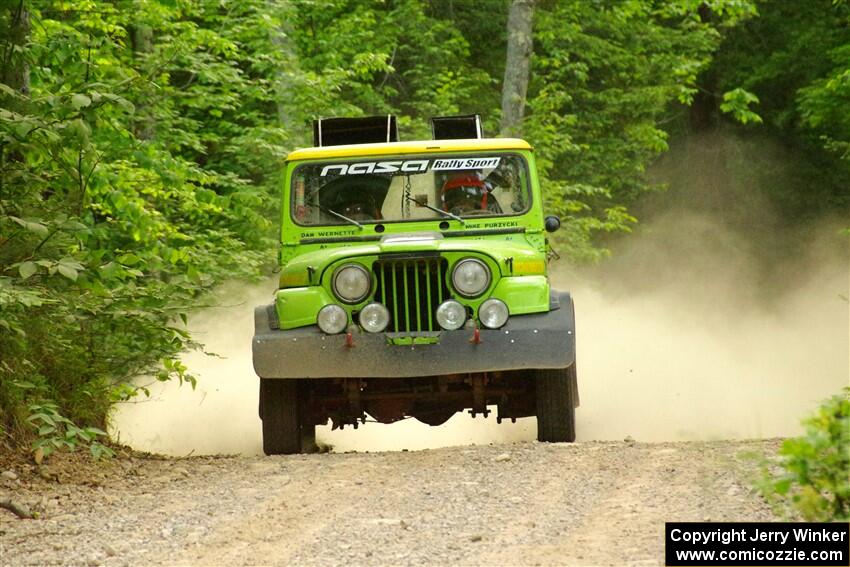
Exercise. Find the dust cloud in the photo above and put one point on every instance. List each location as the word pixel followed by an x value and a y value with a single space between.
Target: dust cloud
pixel 686 336
pixel 220 415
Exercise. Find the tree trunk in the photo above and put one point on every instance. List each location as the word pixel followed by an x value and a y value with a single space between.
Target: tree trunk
pixel 289 78
pixel 145 124
pixel 15 71
pixel 703 114
pixel 288 73
pixel 285 82
pixel 517 66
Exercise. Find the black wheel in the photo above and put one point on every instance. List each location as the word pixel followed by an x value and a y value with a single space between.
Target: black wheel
pixel 308 439
pixel 279 412
pixel 557 398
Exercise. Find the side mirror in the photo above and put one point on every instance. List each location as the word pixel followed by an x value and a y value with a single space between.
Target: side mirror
pixel 552 223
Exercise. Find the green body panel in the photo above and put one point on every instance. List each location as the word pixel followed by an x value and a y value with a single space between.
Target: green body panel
pixel 524 294
pixel 502 251
pixel 298 306
pixel 514 247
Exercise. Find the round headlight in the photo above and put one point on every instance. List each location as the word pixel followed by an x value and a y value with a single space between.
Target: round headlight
pixel 332 319
pixel 351 283
pixel 493 313
pixel 451 315
pixel 374 318
pixel 470 277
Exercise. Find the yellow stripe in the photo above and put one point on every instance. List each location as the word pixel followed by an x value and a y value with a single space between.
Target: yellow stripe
pixel 418 147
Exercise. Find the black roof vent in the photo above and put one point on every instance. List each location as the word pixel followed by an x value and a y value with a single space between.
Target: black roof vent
pixel 362 130
pixel 456 127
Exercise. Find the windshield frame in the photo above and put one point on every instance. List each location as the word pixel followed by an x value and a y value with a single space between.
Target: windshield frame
pixel 290 187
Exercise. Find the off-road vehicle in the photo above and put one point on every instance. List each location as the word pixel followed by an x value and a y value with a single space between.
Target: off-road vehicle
pixel 413 283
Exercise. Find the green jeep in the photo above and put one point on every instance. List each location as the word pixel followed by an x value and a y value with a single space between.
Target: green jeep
pixel 413 283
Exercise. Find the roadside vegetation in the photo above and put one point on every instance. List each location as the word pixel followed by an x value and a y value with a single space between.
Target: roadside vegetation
pixel 812 472
pixel 140 144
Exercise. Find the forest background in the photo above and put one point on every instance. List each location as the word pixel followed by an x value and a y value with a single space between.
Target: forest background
pixel 141 144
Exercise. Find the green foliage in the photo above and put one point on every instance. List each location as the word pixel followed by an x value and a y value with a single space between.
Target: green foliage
pixel 737 103
pixel 816 475
pixel 52 430
pixel 133 178
pixel 58 432
pixel 794 62
pixel 406 57
pixel 605 76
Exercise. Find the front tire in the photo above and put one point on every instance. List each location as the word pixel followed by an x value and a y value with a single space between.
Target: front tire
pixel 279 410
pixel 557 398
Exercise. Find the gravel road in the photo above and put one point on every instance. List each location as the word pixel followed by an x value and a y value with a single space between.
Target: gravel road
pixel 588 503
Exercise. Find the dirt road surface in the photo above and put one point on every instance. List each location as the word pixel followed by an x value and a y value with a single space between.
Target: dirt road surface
pixel 594 503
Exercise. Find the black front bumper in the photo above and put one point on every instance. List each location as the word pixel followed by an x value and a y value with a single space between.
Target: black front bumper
pixel 540 340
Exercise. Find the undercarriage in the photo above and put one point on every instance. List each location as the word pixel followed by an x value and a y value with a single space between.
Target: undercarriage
pixel 431 399
pixel 291 409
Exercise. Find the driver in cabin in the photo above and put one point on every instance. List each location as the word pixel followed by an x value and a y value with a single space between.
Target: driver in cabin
pixel 358 198
pixel 362 208
pixel 467 193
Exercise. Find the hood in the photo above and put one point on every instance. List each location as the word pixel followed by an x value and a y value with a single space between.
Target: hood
pixel 507 254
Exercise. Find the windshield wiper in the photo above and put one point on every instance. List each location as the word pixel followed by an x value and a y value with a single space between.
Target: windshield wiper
pixel 436 210
pixel 342 217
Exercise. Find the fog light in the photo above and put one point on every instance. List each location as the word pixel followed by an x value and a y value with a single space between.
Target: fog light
pixel 493 313
pixel 374 318
pixel 332 319
pixel 451 315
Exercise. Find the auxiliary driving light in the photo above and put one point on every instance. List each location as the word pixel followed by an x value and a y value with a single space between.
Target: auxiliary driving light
pixel 470 277
pixel 493 313
pixel 351 283
pixel 451 315
pixel 374 318
pixel 332 319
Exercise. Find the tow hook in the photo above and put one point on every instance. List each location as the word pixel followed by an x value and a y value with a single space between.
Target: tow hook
pixel 476 336
pixel 349 339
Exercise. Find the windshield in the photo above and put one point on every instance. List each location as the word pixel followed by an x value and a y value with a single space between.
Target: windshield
pixel 406 188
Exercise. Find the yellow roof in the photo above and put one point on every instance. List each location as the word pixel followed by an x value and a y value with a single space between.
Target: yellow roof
pixel 415 147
